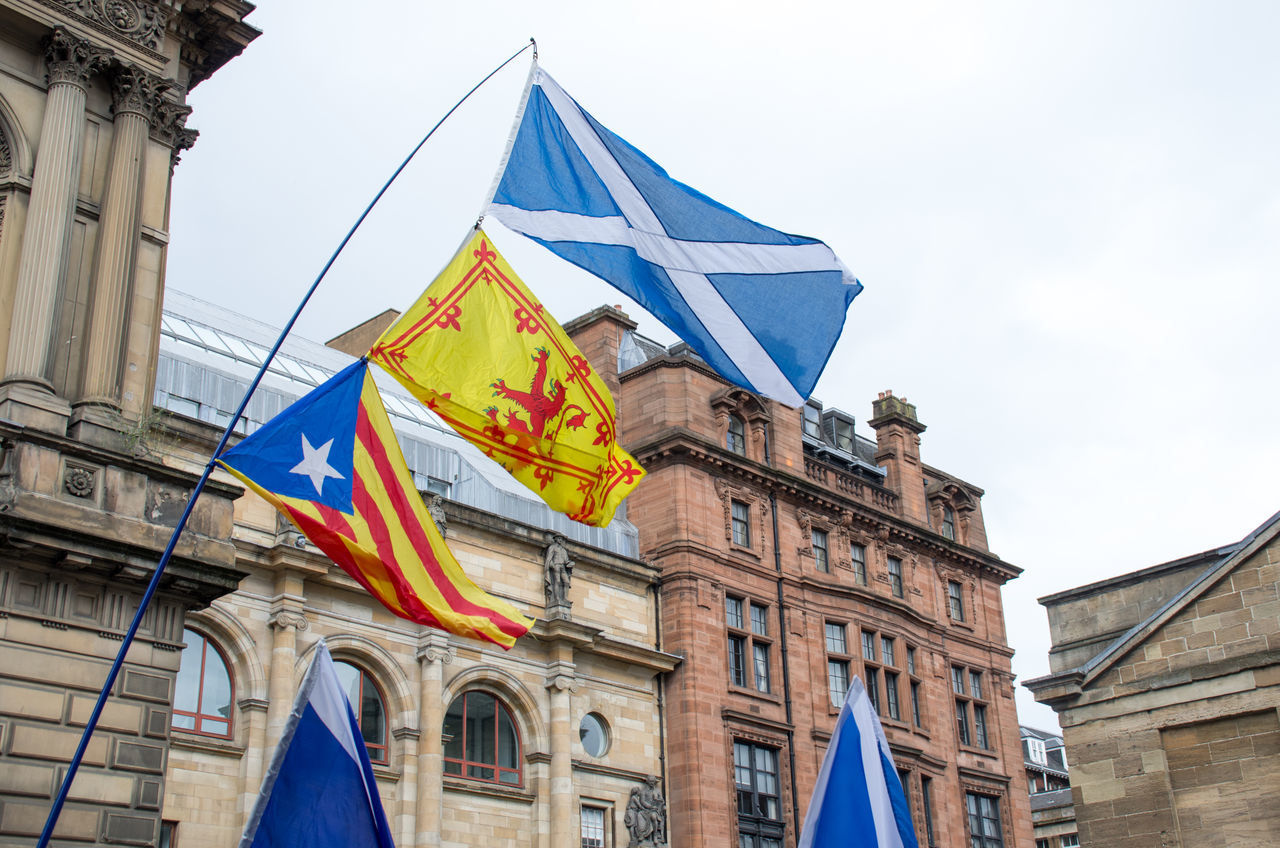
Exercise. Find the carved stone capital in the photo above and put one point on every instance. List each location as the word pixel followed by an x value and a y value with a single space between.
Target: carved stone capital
pixel 281 619
pixel 434 646
pixel 134 90
pixel 72 60
pixel 563 683
pixel 137 20
pixel 170 122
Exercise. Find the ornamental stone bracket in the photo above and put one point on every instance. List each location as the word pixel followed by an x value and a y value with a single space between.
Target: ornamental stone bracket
pixel 73 60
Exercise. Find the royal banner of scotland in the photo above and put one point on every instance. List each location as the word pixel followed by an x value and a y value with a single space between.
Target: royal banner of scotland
pixel 478 349
pixel 762 307
pixel 331 464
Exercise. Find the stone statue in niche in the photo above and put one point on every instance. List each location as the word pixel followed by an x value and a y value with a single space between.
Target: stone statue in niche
pixel 557 570
pixel 646 816
pixel 436 509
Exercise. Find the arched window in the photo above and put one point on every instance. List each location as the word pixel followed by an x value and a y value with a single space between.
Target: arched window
pixel 366 700
pixel 481 740
pixel 203 693
pixel 736 441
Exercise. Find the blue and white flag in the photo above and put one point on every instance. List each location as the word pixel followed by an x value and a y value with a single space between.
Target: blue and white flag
pixel 858 799
pixel 319 791
pixel 762 307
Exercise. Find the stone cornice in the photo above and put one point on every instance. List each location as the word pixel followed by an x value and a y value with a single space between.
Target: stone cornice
pixel 141 22
pixel 678 445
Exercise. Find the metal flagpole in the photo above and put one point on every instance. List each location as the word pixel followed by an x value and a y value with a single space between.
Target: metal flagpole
pixel 92 724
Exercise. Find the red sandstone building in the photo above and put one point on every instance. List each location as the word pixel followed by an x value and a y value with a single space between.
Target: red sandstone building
pixel 794 554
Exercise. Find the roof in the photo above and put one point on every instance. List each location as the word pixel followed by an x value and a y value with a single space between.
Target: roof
pixel 1049 800
pixel 209 355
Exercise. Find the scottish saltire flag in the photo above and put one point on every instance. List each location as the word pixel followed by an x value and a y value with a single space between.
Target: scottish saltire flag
pixel 480 351
pixel 331 464
pixel 762 307
pixel 858 799
pixel 319 790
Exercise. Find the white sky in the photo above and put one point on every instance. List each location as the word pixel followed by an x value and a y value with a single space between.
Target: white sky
pixel 1065 215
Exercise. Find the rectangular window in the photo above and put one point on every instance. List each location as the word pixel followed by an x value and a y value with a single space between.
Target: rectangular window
pixel 836 641
pixel 759 620
pixel 858 553
pixel 911 660
pixel 1071 840
pixel 948 523
pixel 748 649
pixel 955 600
pixel 886 650
pixel 737 660
pixel 838 680
pixel 741 514
pixel 962 723
pixel 820 560
pixel 915 703
pixel 1042 843
pixel 975 684
pixel 844 435
pixel 868 646
pixel 926 799
pixel 755 775
pixel 957 679
pixel 812 421
pixel 168 834
pixel 733 612
pixel 984 821
pixel 980 726
pixel 895 576
pixel 592 827
pixel 873 689
pixel 761 653
pixel 891 695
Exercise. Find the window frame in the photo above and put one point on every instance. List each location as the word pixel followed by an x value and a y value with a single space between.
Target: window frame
pixel 819 540
pixel 839 660
pixel 972 701
pixel 977 806
pixel 882 673
pixel 757 825
pixel 955 600
pixel 603 841
pixel 465 765
pixel 735 438
pixel 198 716
pixel 749 644
pixel 894 566
pixel 379 752
pixel 948 528
pixel 858 558
pixel 740 524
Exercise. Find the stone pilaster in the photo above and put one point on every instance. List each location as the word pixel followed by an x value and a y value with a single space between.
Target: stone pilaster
pixel 561 683
pixel 27 395
pixel 254 711
pixel 136 96
pixel 434 652
pixel 286 620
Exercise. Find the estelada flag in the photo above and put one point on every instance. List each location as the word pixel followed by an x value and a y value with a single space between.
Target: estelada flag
pixel 331 464
pixel 479 350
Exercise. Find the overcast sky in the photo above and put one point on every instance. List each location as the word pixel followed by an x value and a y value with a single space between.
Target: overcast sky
pixel 1066 217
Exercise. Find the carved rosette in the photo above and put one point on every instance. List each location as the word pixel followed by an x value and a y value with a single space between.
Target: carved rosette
pixel 136 91
pixel 72 60
pixel 78 481
pixel 137 20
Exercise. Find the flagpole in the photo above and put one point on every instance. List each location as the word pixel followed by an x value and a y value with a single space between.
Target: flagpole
pixel 92 724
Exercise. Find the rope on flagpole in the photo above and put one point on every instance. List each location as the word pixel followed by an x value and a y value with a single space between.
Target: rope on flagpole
pixel 92 724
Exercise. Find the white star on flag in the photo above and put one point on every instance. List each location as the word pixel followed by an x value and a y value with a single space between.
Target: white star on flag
pixel 315 464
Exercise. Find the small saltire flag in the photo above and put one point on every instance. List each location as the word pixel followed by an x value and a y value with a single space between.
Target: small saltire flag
pixel 478 349
pixel 762 307
pixel 858 799
pixel 319 790
pixel 331 464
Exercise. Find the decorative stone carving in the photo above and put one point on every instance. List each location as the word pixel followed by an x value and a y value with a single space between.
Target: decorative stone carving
pixel 436 509
pixel 78 481
pixel 171 120
pixel 71 59
pixel 281 619
pixel 434 646
pixel 646 816
pixel 136 20
pixel 6 155
pixel 557 570
pixel 135 90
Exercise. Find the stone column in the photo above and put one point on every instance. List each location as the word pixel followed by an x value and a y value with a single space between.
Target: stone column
pixel 71 63
pixel 434 653
pixel 286 620
pixel 136 96
pixel 561 683
pixel 253 764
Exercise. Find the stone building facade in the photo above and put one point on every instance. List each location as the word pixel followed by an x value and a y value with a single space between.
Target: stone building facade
pixel 794 553
pixel 92 121
pixel 572 719
pixel 1053 818
pixel 1166 682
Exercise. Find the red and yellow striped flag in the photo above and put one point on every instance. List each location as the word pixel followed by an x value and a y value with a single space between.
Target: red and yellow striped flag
pixel 479 350
pixel 331 464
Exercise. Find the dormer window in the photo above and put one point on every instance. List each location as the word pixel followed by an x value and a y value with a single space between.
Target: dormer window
pixel 948 523
pixel 736 440
pixel 812 421
pixel 844 435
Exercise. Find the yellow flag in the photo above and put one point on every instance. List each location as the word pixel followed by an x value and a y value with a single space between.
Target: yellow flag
pixel 478 350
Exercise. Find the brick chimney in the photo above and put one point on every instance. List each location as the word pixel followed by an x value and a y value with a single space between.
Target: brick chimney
pixel 598 334
pixel 898 449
